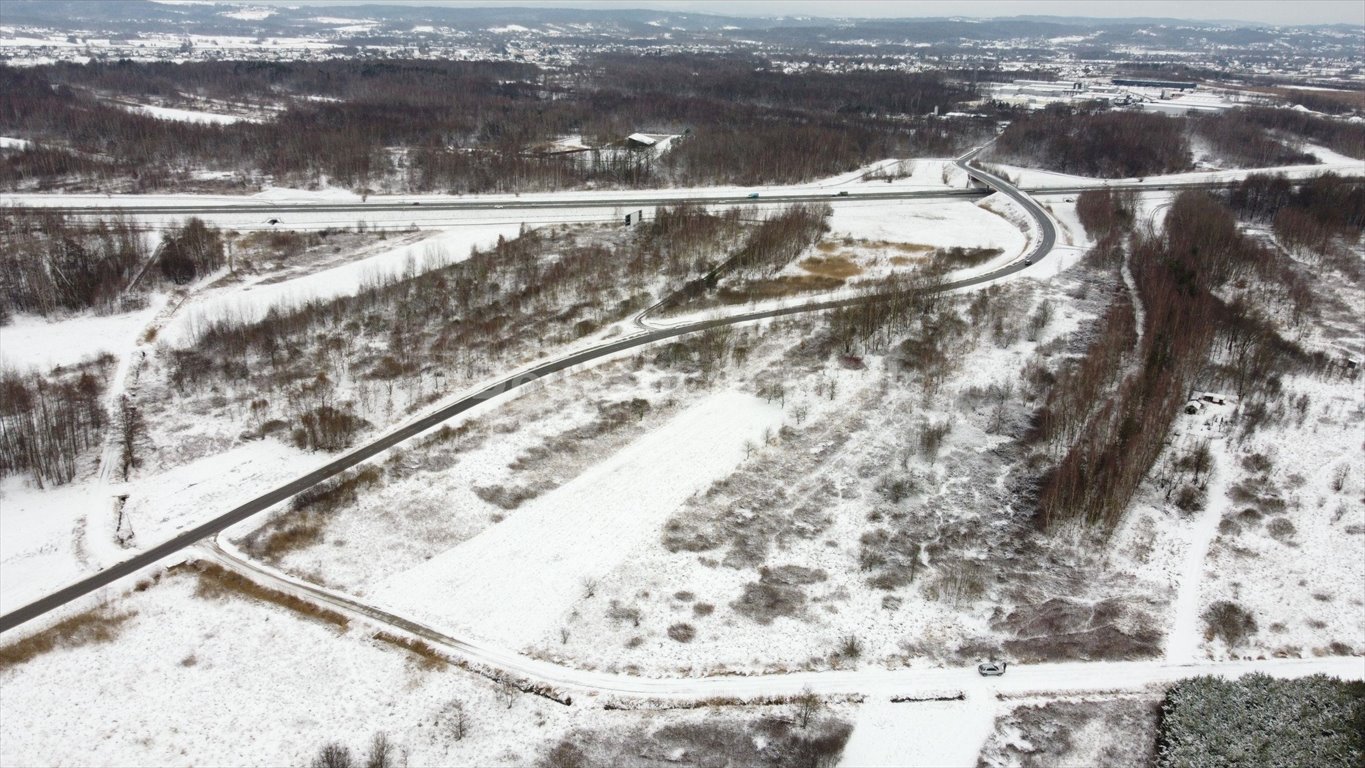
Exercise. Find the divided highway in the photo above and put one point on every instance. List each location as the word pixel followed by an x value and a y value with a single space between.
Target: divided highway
pixel 1039 248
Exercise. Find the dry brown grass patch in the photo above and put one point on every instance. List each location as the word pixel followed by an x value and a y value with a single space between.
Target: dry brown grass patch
pixel 430 658
pixel 219 583
pixel 911 247
pixel 100 625
pixel 758 290
pixel 835 267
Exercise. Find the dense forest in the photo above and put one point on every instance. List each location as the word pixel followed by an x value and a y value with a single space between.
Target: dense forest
pixel 473 126
pixel 1095 143
pixel 1260 720
pixel 1309 219
pixel 50 263
pixel 1089 141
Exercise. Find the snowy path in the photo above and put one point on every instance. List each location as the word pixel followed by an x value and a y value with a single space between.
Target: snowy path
pixel 1182 644
pixel 1037 679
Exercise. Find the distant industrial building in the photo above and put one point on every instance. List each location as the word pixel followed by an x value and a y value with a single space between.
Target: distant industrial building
pixel 1155 84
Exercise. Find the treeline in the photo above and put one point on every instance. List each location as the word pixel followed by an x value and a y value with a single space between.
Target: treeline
pixel 1113 144
pixel 50 263
pixel 1340 136
pixel 1308 217
pixel 1112 442
pixel 1240 141
pixel 749 79
pixel 779 239
pixel 469 126
pixel 46 424
pixel 1101 144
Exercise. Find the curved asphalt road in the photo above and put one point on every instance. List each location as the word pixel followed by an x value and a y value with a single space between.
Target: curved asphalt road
pixel 149 557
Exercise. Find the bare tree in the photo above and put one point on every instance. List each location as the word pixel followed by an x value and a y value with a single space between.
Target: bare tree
pixel 131 428
pixel 456 719
pixel 507 691
pixel 334 755
pixel 381 752
pixel 807 706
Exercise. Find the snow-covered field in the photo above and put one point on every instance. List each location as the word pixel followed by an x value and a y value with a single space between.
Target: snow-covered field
pixel 514 582
pixel 732 529
pixel 188 680
pixel 29 341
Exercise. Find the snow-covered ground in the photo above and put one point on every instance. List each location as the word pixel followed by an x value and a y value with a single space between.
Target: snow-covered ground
pixel 41 533
pixel 30 341
pixel 185 115
pixel 249 302
pixel 190 679
pixel 946 734
pixel 514 582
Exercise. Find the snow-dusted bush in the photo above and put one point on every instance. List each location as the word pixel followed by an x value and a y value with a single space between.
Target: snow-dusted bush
pixel 1259 720
pixel 1230 622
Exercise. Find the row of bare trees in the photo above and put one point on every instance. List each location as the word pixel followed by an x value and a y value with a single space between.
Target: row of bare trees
pixel 47 424
pixel 779 239
pixel 1114 427
pixel 50 263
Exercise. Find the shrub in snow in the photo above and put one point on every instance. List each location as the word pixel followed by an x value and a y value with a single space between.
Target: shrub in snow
pixel 1230 622
pixel 1259 720
pixel 682 632
pixel 1281 528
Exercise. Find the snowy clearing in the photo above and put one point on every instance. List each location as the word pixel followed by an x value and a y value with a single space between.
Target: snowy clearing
pixel 515 580
pixel 30 341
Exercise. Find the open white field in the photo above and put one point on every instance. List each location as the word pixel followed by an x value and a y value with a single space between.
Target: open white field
pixel 513 582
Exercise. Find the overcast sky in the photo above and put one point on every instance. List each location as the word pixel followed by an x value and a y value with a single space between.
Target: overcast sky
pixel 1265 11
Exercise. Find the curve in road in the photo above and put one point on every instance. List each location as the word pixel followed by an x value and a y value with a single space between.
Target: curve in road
pixel 212 527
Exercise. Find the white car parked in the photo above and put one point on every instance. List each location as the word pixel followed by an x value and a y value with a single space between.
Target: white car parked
pixel 992 668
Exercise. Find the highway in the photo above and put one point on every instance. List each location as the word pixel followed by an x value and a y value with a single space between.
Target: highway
pixel 509 206
pixel 1039 249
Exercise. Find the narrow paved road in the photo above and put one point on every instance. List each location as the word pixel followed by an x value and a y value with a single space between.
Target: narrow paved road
pixel 1033 679
pixel 1046 237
